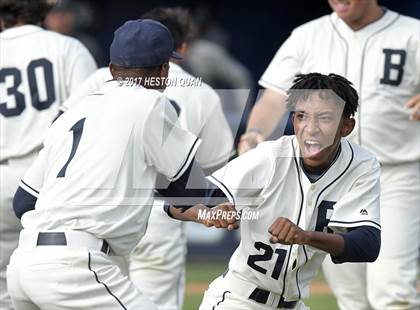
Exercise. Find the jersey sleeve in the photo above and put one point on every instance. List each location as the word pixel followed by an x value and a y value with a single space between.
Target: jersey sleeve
pixel 79 65
pixel 33 179
pixel 360 206
pixel 217 142
pixel 243 179
pixel 285 65
pixel 92 84
pixel 168 147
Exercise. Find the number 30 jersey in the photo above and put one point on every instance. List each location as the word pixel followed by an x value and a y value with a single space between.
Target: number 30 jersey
pixel 269 182
pixel 38 71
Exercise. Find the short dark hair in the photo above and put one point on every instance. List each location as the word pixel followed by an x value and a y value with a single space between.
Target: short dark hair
pixel 25 11
pixel 323 83
pixel 145 72
pixel 178 20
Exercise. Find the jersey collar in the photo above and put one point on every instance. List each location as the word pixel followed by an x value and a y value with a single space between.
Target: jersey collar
pixel 112 84
pixel 348 33
pixel 19 31
pixel 175 68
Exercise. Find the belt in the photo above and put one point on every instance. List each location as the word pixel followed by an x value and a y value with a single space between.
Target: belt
pixel 4 162
pixel 242 287
pixel 77 240
pixel 59 238
pixel 261 296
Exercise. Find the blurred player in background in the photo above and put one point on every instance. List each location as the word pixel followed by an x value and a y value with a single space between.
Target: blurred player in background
pixel 38 71
pixel 78 19
pixel 157 265
pixel 379 51
pixel 292 184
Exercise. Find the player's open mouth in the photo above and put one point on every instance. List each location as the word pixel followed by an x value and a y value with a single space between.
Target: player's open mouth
pixel 312 147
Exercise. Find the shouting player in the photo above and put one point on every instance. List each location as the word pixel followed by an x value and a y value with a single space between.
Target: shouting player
pixel 379 51
pixel 306 184
pixel 38 71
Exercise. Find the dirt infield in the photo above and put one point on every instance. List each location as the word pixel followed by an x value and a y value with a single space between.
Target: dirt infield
pixel 199 288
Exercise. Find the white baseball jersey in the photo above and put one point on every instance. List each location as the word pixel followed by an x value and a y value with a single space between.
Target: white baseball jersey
pixel 200 112
pixel 97 169
pixel 38 71
pixel 346 195
pixel 382 60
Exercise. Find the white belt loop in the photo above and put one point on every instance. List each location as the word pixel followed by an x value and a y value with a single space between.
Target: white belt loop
pixel 276 299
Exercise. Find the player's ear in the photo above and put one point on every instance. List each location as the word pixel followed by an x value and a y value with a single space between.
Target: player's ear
pixel 165 66
pixel 112 69
pixel 164 69
pixel 293 116
pixel 348 126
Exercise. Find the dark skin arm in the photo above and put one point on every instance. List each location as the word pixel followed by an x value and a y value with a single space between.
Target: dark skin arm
pixel 191 215
pixel 286 232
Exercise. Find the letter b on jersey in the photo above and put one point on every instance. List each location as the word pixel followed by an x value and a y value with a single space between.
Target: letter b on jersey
pixel 393 67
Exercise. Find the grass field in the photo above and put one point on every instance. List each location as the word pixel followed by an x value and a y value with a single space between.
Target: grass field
pixel 200 274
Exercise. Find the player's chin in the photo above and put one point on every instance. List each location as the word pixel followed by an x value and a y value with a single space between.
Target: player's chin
pixel 317 155
pixel 316 159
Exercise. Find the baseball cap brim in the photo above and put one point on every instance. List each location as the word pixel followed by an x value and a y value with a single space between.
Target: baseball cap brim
pixel 177 56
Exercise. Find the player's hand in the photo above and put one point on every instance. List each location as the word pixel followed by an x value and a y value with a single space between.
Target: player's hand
pixel 285 231
pixel 222 216
pixel 414 105
pixel 248 141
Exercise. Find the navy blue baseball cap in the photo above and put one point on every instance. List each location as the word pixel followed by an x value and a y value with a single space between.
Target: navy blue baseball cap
pixel 142 43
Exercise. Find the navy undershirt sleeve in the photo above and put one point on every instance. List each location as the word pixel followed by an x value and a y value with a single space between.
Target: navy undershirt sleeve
pixel 23 202
pixel 362 244
pixel 181 194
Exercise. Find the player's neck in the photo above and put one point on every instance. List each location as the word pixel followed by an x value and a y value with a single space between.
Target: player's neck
pixel 371 16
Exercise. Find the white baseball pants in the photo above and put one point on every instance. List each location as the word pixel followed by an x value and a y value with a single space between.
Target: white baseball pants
pixel 390 283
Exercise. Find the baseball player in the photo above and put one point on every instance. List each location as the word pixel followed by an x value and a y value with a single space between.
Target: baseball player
pixel 38 71
pixel 300 186
pixel 157 265
pixel 89 192
pixel 379 51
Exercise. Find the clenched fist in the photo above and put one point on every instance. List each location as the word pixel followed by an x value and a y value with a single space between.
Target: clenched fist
pixel 285 231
